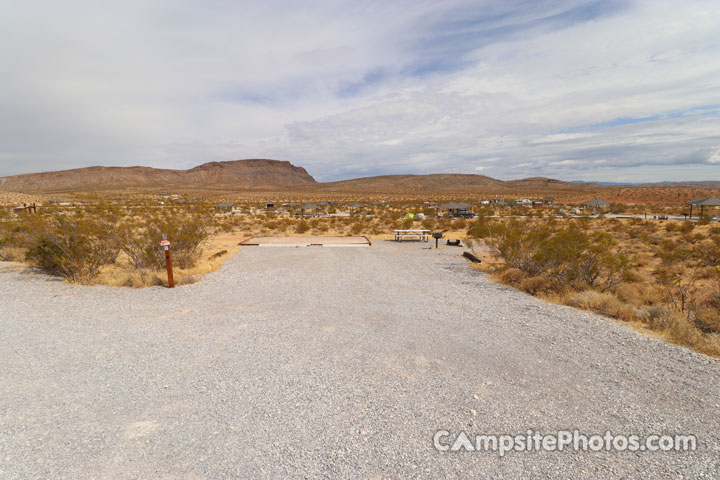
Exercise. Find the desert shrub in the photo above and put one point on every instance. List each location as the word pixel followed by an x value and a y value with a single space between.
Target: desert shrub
pixel 639 294
pixel 135 240
pixel 541 285
pixel 187 235
pixel 517 246
pixel 357 228
pixel 637 232
pixel 140 241
pixel 302 226
pixel 704 220
pixel 605 303
pixel 682 330
pixel 512 276
pixel 657 317
pixel 73 248
pixel 679 285
pixel 630 276
pixel 12 254
pixel 479 228
pixel 686 227
pixel 708 252
pixel 707 318
pixel 567 254
pixel 671 252
pixel 574 256
pixel 617 208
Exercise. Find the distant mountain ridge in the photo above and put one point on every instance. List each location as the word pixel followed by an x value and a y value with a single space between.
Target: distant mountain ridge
pixel 231 175
pixel 267 175
pixel 713 184
pixel 442 183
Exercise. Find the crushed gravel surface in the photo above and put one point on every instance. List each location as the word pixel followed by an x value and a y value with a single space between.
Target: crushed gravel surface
pixel 330 362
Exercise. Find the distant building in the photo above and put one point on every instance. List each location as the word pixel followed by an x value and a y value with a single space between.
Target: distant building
pixel 704 202
pixel 596 203
pixel 25 209
pixel 224 207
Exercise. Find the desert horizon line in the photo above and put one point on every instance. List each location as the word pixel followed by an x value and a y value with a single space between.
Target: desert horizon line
pixel 361 177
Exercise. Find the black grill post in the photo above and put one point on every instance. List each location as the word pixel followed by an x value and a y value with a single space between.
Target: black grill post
pixel 437 236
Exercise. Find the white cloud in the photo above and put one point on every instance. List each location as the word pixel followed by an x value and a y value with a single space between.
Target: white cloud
pixel 715 158
pixel 348 87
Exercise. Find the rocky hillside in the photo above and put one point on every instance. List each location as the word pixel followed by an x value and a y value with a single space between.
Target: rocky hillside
pixel 233 175
pixel 449 183
pixel 420 183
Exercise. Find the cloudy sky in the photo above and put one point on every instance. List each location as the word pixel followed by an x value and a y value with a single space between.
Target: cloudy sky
pixel 577 90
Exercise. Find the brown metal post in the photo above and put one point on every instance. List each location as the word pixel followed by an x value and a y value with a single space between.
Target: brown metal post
pixel 168 261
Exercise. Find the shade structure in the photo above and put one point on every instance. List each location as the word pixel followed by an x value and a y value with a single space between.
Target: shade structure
pixel 704 202
pixel 453 206
pixel 596 202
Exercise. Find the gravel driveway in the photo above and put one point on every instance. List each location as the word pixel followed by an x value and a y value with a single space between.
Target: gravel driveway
pixel 331 362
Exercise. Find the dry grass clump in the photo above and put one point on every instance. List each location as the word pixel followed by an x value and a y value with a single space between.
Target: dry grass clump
pixel 12 254
pixel 603 302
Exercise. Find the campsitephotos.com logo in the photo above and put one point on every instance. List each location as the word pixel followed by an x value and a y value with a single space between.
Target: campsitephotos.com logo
pixel 532 441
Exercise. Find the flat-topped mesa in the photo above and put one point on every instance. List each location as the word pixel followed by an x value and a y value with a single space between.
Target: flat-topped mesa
pixel 237 174
pixel 252 173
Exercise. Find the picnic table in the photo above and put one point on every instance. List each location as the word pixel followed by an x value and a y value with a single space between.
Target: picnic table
pixel 421 235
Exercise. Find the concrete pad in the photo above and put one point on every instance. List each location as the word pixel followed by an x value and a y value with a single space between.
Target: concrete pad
pixel 307 241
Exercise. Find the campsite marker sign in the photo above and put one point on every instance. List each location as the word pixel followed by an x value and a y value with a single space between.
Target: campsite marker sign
pixel 165 243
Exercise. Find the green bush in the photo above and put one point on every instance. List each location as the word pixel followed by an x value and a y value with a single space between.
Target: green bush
pixel 73 248
pixel 567 254
pixel 140 241
pixel 479 228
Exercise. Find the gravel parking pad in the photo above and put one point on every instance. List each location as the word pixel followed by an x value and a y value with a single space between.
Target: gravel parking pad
pixel 332 362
